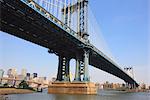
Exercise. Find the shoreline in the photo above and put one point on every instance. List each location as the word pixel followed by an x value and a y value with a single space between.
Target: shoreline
pixel 128 90
pixel 6 91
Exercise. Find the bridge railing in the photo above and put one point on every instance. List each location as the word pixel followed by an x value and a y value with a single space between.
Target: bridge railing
pixel 49 16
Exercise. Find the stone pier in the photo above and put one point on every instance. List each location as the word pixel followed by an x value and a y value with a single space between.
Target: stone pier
pixel 72 88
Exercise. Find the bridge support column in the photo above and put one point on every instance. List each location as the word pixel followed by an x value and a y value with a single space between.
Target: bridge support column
pixel 133 86
pixel 60 65
pixel 127 85
pixel 86 63
pixel 67 67
pixel 63 69
pixel 77 72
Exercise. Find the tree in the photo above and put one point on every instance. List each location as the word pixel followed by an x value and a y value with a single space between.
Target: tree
pixel 6 85
pixel 23 85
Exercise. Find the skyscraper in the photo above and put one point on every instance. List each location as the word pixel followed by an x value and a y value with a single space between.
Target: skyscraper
pixel 1 73
pixel 12 72
pixel 24 72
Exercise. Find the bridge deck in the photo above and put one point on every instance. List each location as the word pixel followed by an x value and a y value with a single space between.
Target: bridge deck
pixel 25 22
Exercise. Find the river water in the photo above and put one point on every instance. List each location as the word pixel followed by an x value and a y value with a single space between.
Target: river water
pixel 102 95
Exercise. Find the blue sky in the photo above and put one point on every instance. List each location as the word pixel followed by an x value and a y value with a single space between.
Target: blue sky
pixel 124 25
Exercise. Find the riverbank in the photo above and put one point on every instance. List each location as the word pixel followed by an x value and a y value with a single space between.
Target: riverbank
pixel 129 90
pixel 5 91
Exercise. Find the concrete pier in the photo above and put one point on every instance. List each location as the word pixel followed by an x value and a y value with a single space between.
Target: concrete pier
pixel 72 88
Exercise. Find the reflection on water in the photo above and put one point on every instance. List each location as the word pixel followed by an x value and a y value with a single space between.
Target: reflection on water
pixel 102 95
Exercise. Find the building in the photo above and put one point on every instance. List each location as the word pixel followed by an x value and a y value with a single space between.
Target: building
pixel 24 72
pixel 117 86
pixel 12 72
pixel 1 74
pixel 53 79
pixel 142 86
pixel 28 76
pixel 4 81
pixel 19 77
pixel 35 75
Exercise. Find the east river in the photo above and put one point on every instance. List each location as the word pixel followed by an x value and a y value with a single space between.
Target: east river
pixel 102 95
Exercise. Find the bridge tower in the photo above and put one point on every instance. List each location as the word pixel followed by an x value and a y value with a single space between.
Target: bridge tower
pixel 130 72
pixel 81 8
pixel 78 86
pixel 83 31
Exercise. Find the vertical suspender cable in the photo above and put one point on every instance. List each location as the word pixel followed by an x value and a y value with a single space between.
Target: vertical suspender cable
pixel 54 9
pixel 86 17
pixel 78 16
pixel 72 19
pixel 68 13
pixel 47 5
pixel 65 12
pixel 57 8
pixel 62 15
pixel 49 10
pixel 51 7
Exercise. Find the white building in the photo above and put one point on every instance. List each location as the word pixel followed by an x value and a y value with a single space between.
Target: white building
pixel 12 72
pixel 24 72
pixel 1 73
pixel 4 81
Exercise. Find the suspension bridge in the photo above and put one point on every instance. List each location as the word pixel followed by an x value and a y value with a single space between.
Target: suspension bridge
pixel 62 27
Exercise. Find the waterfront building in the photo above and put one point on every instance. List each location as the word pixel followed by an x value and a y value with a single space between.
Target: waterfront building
pixel 33 85
pixel 53 79
pixel 20 78
pixel 45 78
pixel 1 74
pixel 11 82
pixel 28 76
pixel 12 72
pixel 142 86
pixel 101 86
pixel 42 80
pixel 35 75
pixel 24 72
pixel 117 86
pixel 107 85
pixel 4 81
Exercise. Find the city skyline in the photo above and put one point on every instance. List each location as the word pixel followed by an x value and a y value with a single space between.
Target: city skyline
pixel 128 45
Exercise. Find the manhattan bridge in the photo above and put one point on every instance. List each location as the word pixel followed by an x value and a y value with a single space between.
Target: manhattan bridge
pixel 62 27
